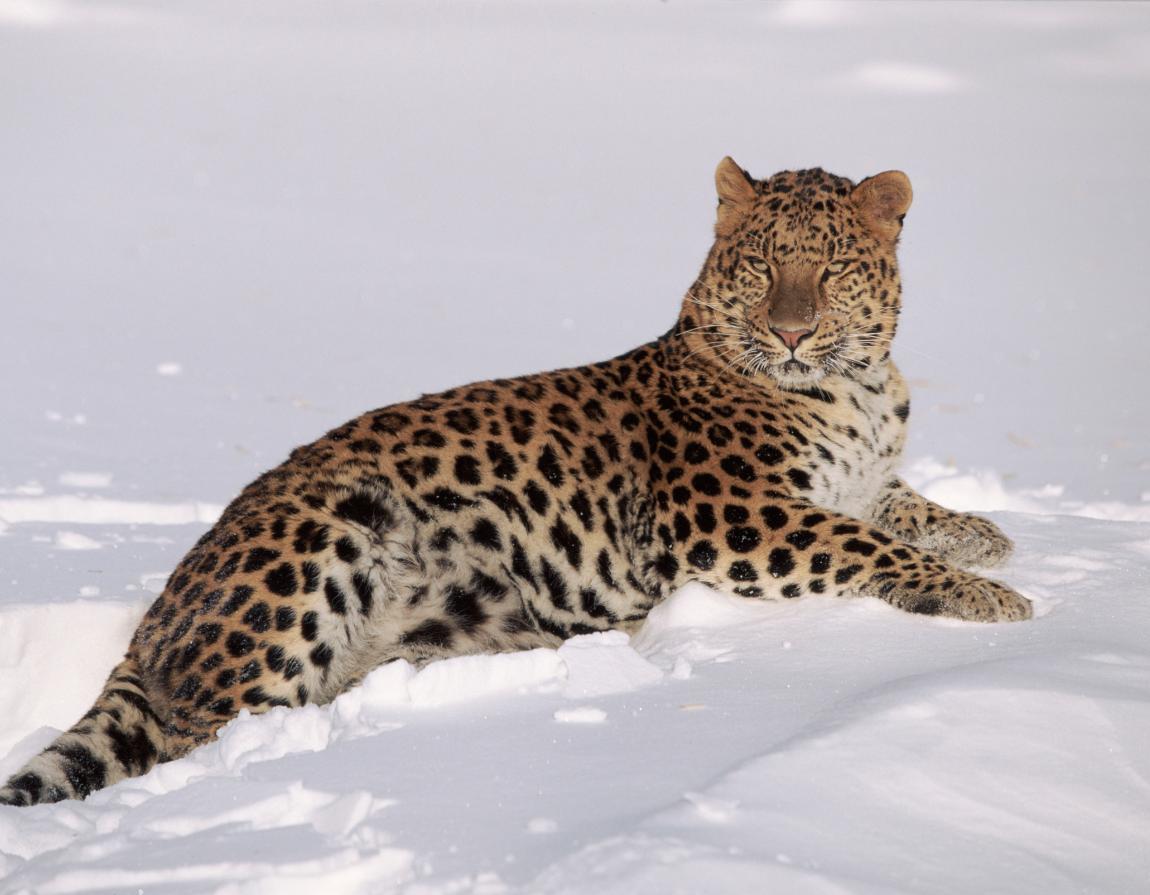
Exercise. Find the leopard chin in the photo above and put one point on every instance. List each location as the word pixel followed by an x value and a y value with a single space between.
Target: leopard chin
pixel 794 375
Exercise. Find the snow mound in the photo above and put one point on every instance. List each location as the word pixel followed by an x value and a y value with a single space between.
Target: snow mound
pixel 984 491
pixel 599 664
pixel 818 745
pixel 730 745
pixel 98 510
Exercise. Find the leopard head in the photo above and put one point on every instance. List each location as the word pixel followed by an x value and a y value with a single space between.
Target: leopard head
pixel 802 281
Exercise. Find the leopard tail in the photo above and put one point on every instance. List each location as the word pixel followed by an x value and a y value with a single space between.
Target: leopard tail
pixel 120 736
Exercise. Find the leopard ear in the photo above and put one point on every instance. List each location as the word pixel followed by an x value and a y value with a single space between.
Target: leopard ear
pixel 883 201
pixel 736 196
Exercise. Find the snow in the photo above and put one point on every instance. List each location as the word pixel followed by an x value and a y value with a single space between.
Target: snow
pixel 820 746
pixel 230 226
pixel 583 714
pixel 84 480
pixel 92 510
pixel 73 540
pixel 899 77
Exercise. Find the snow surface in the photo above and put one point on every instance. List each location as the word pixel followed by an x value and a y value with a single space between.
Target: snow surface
pixel 229 226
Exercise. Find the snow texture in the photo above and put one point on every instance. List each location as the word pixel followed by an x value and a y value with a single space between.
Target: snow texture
pixel 231 225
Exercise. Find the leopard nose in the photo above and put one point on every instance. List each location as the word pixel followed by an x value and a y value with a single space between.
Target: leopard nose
pixel 792 337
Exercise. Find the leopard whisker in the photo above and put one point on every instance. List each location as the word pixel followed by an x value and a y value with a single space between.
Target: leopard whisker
pixel 702 304
pixel 726 345
pixel 695 329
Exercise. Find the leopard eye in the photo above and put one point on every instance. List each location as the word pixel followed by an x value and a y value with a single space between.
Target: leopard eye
pixel 836 267
pixel 759 265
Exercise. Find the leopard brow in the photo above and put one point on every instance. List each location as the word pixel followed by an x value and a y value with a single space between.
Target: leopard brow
pixel 840 246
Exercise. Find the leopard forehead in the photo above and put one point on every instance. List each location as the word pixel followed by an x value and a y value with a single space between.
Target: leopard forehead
pixel 804 215
pixel 807 185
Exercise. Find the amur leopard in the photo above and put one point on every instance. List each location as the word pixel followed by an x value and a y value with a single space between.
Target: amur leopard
pixel 753 448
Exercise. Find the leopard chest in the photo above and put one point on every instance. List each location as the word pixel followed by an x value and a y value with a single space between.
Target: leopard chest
pixel 855 443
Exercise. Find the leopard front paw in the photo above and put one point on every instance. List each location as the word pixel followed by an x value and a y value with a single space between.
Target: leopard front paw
pixel 967 540
pixel 966 597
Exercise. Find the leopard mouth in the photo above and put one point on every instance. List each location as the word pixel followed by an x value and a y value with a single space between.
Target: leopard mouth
pixel 791 372
pixel 750 356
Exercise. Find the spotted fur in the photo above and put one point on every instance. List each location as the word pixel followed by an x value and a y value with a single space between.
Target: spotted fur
pixel 752 448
